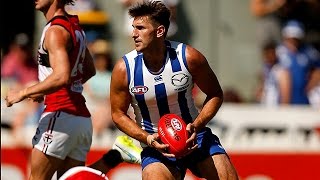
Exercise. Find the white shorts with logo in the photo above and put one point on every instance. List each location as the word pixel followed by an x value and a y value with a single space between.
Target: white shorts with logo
pixel 62 135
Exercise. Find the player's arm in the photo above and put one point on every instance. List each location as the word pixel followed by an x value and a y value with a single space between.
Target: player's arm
pixel 263 7
pixel 120 99
pixel 88 67
pixel 57 43
pixel 314 79
pixel 208 83
pixel 284 79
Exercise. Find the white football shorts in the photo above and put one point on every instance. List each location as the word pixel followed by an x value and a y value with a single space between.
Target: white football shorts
pixel 62 135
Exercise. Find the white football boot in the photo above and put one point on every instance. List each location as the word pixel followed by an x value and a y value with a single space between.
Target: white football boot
pixel 129 151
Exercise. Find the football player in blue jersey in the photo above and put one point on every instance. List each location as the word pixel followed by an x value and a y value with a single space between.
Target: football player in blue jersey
pixel 157 78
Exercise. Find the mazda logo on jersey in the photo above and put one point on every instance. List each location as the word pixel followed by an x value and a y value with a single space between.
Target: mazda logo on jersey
pixel 139 89
pixel 179 79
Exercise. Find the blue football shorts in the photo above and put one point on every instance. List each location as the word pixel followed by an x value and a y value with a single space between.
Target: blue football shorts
pixel 208 145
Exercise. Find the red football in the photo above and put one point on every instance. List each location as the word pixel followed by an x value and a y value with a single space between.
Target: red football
pixel 172 131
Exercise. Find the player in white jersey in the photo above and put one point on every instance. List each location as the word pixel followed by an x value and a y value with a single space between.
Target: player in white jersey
pixel 157 78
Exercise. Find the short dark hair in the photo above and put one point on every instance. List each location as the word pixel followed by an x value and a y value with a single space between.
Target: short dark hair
pixel 156 10
pixel 68 2
pixel 269 45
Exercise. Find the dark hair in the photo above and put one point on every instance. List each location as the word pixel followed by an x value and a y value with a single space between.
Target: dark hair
pixel 269 45
pixel 68 2
pixel 156 10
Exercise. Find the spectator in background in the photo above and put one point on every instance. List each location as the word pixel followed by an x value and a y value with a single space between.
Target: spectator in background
pixel 302 61
pixel 92 18
pixel 273 14
pixel 307 12
pixel 314 96
pixel 19 70
pixel 232 95
pixel 83 6
pixel 274 80
pixel 268 17
pixel 18 64
pixel 97 88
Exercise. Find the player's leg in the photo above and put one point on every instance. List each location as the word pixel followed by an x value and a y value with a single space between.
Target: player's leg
pixel 61 141
pixel 210 160
pixel 108 161
pixel 160 171
pixel 67 164
pixel 123 150
pixel 156 166
pixel 43 166
pixel 98 169
pixel 217 167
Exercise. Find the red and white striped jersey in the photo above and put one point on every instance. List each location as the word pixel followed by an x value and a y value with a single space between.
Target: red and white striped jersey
pixel 68 98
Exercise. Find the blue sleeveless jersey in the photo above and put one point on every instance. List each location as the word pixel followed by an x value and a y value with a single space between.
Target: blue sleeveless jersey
pixel 157 93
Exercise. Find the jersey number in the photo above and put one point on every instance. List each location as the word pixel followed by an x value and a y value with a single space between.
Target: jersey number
pixel 81 54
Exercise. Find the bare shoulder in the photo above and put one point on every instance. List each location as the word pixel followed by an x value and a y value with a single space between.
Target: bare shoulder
pixel 57 32
pixel 57 36
pixel 195 59
pixel 120 67
pixel 119 74
pixel 202 73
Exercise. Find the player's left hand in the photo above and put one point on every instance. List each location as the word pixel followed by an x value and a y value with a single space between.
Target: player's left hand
pixel 13 97
pixel 192 141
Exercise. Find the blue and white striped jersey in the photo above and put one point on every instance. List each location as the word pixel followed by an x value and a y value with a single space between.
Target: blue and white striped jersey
pixel 157 93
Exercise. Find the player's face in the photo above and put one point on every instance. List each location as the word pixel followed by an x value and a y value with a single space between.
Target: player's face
pixel 43 5
pixel 143 33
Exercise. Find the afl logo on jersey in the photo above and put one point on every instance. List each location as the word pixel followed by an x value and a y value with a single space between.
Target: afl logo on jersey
pixel 179 79
pixel 138 90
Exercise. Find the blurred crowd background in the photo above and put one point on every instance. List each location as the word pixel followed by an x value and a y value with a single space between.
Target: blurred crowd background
pixel 264 52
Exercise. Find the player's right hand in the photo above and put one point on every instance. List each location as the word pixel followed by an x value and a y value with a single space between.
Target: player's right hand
pixel 154 142
pixel 13 96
